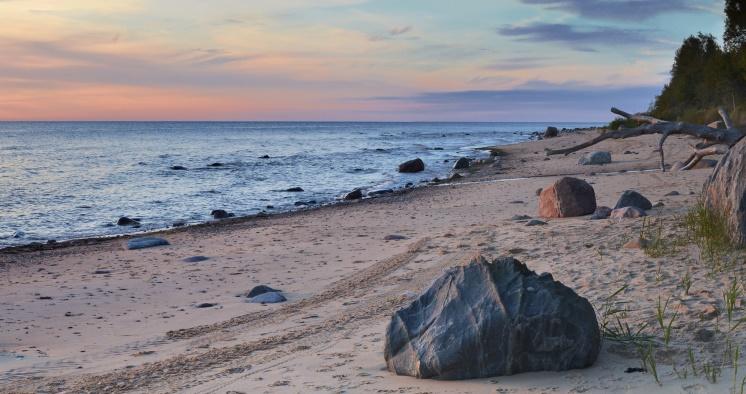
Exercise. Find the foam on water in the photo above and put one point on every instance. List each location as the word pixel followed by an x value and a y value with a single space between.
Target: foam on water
pixel 65 180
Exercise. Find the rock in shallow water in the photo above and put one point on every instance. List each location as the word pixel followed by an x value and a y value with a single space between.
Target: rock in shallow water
pixel 416 165
pixel 146 242
pixel 492 319
pixel 125 221
pixel 462 163
pixel 353 195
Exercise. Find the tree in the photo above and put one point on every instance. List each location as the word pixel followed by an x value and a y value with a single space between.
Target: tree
pixel 735 25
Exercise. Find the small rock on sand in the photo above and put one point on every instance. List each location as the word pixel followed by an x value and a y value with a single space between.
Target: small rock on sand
pixel 394 237
pixel 146 242
pixel 536 222
pixel 627 213
pixel 595 158
pixel 261 289
pixel 195 259
pixel 639 243
pixel 601 213
pixel 631 198
pixel 518 218
pixel 268 298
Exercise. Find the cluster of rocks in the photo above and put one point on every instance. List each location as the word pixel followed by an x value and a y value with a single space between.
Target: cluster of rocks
pixel 552 132
pixel 571 197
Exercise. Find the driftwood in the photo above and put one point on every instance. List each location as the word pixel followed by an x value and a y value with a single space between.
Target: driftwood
pixel 715 140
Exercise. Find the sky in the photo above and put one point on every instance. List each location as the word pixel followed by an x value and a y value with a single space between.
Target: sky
pixel 337 60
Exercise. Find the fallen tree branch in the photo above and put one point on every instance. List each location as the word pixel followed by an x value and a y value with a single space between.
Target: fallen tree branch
pixel 712 137
pixel 699 154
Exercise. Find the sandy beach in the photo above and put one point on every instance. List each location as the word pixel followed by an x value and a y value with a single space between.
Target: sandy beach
pixel 95 317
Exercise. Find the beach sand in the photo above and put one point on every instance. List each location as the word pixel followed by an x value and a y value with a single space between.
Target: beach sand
pixel 96 317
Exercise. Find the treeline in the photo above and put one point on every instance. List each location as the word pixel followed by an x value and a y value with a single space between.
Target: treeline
pixel 706 75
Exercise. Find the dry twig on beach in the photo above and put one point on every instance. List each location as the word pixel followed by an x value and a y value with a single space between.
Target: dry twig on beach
pixel 715 141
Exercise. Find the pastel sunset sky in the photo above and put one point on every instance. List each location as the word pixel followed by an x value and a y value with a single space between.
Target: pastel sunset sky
pixel 374 60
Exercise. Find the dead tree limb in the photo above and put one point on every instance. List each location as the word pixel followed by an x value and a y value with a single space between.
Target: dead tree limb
pixel 714 139
pixel 699 154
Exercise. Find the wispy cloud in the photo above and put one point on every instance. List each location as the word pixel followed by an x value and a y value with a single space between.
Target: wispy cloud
pixel 518 63
pixel 534 100
pixel 580 38
pixel 622 9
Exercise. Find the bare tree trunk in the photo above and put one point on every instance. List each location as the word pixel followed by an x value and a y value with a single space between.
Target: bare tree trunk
pixel 716 141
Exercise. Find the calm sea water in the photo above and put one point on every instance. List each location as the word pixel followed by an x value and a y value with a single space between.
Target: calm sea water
pixel 65 180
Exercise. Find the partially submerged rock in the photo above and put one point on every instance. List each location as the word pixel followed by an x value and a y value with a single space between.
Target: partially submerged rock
pixel 416 165
pixel 595 158
pixel 125 221
pixel 354 195
pixel 146 242
pixel 462 163
pixel 631 198
pixel 221 214
pixel 492 319
pixel 567 197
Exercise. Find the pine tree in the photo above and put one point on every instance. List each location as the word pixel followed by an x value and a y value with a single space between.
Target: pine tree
pixel 735 25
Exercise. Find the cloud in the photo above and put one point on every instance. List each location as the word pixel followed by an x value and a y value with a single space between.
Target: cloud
pixel 391 34
pixel 518 63
pixel 397 31
pixel 621 9
pixel 579 38
pixel 535 100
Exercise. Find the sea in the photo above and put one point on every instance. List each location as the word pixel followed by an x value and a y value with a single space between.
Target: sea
pixel 70 180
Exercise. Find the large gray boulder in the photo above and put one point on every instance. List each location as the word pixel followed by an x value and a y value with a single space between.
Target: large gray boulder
pixel 725 191
pixel 492 319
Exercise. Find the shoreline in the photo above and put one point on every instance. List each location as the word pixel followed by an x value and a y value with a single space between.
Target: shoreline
pixel 94 317
pixel 333 202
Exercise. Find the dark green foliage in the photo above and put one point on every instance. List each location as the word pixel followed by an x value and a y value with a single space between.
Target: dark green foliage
pixel 622 122
pixel 735 25
pixel 705 76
